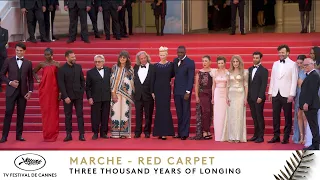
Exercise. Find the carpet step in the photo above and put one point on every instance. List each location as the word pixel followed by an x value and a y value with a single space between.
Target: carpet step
pixel 34 102
pixel 171 51
pixel 87 111
pixel 38 127
pixel 36 118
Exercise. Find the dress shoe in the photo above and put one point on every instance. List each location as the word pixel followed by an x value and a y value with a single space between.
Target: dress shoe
pixel 124 36
pixel 33 40
pixel 55 38
pixel 259 140
pixel 136 136
pixel 253 138
pixel 232 33
pixel 81 137
pixel 70 41
pixel 285 141
pixel 274 140
pixel 95 136
pixel 86 41
pixel 147 136
pixel 20 139
pixel 118 38
pixel 130 34
pixel 183 138
pixel 45 40
pixel 108 38
pixel 68 138
pixel 176 137
pixel 3 140
pixel 243 33
pixel 97 36
pixel 104 136
pixel 312 147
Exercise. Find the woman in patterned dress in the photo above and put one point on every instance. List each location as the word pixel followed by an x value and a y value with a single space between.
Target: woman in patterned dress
pixel 203 92
pixel 122 89
pixel 235 124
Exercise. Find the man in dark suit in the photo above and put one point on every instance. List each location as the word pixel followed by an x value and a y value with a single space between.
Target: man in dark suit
pixel 3 49
pixel 78 8
pixel 309 101
pixel 93 14
pixel 144 101
pixel 19 88
pixel 257 85
pixel 34 10
pixel 71 85
pixel 111 7
pixel 52 6
pixel 99 95
pixel 184 69
pixel 237 4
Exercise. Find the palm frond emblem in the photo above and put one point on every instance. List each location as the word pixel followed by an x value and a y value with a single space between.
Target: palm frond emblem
pixel 296 167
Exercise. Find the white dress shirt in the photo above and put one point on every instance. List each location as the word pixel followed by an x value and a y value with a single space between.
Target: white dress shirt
pixel 180 61
pixel 101 72
pixel 19 62
pixel 255 68
pixel 143 72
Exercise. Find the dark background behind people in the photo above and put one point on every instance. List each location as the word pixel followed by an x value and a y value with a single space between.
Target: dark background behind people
pixel 3 49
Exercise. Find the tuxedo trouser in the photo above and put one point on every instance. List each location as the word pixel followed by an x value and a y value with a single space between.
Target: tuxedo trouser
pixel 258 118
pixel 78 105
pixel 183 112
pixel 279 102
pixel 147 107
pixel 240 7
pixel 18 98
pixel 93 14
pixel 2 59
pixel 73 18
pixel 35 14
pixel 312 118
pixel 129 9
pixel 47 21
pixel 100 116
pixel 107 11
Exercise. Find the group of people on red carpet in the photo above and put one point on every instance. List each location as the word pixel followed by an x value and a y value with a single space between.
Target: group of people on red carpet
pixel 111 92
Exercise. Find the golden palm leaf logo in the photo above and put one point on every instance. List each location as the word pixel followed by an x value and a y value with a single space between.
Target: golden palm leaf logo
pixel 297 167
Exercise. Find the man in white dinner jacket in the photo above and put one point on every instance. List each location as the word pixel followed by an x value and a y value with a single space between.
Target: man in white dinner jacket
pixel 282 90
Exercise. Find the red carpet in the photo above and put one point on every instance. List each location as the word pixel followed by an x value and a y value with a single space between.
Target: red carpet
pixel 197 45
pixel 35 142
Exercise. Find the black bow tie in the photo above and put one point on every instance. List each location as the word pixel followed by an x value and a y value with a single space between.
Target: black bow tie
pixel 282 61
pixel 99 69
pixel 307 74
pixel 255 66
pixel 143 66
pixel 19 59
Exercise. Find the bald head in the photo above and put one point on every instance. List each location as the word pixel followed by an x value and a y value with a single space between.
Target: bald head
pixel 308 64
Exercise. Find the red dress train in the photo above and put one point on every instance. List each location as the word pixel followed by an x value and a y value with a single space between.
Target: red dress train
pixel 48 96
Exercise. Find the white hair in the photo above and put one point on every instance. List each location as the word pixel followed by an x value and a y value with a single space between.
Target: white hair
pixel 99 56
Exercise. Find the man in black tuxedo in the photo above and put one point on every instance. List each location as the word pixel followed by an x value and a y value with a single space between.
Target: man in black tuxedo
pixel 111 7
pixel 19 88
pixel 34 10
pixel 99 95
pixel 93 14
pixel 3 49
pixel 144 101
pixel 78 8
pixel 52 6
pixel 237 4
pixel 309 101
pixel 257 85
pixel 71 85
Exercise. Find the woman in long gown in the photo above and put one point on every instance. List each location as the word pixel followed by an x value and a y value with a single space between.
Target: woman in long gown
pixel 49 96
pixel 220 78
pixel 299 124
pixel 122 89
pixel 235 129
pixel 163 124
pixel 203 93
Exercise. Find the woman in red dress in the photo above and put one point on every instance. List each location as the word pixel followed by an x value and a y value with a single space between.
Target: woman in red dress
pixel 49 96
